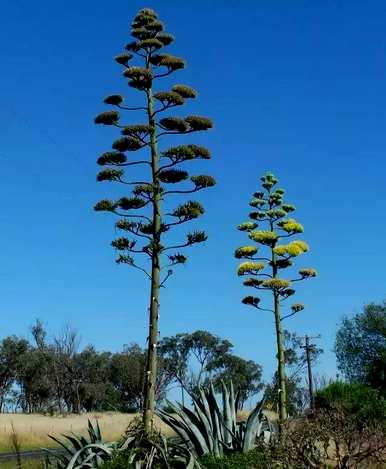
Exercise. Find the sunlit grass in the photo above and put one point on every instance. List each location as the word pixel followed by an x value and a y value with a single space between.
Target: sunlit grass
pixel 32 430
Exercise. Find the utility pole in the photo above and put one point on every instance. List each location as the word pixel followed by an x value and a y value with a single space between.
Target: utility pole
pixel 309 348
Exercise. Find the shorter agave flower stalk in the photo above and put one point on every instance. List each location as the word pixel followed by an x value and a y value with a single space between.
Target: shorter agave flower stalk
pixel 264 263
pixel 208 430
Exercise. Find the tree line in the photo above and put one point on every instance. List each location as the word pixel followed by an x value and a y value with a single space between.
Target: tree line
pixel 57 375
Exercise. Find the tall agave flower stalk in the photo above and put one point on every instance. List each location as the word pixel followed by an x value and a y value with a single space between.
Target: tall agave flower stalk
pixel 265 262
pixel 141 213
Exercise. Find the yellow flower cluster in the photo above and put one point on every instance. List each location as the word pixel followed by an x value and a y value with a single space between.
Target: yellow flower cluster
pixel 292 249
pixel 247 226
pixel 291 226
pixel 276 283
pixel 245 251
pixel 297 307
pixel 257 202
pixel 308 273
pixel 264 237
pixel 249 268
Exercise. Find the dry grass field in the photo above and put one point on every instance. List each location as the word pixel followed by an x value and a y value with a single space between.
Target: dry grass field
pixel 32 429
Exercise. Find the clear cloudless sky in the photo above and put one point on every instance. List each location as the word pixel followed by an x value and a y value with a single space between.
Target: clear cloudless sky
pixel 295 87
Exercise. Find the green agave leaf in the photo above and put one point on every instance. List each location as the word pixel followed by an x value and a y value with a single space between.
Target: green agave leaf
pixel 252 427
pixel 203 404
pixel 208 433
pixel 227 415
pixel 207 429
pixel 196 428
pixel 233 402
pixel 76 443
pixel 214 412
pixel 104 448
pixel 175 425
pixel 63 445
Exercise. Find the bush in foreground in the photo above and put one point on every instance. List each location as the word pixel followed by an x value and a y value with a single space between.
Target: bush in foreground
pixel 256 458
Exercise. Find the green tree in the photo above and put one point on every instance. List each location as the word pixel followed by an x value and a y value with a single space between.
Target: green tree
pixel 244 374
pixel 127 377
pixel 12 352
pixel 176 351
pixel 360 346
pixel 160 171
pixel 191 358
pixel 264 269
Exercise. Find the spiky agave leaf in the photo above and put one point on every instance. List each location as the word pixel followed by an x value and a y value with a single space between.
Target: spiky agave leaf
pixel 146 450
pixel 189 427
pixel 83 453
pixel 207 429
pixel 253 427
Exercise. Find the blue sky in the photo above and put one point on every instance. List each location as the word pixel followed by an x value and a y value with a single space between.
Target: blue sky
pixel 297 88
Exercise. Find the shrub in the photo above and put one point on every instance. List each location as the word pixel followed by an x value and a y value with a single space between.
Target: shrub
pixel 355 399
pixel 257 458
pixel 329 438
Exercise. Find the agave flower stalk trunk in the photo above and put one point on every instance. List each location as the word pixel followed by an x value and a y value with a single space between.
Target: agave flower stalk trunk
pixel 151 364
pixel 279 342
pixel 281 361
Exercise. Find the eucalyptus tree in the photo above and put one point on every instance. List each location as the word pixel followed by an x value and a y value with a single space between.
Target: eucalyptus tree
pixel 265 262
pixel 360 346
pixel 143 216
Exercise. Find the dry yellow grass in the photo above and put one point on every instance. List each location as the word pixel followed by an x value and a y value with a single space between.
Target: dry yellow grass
pixel 32 429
